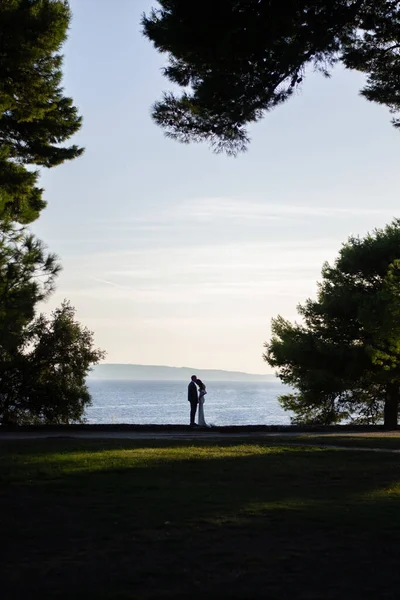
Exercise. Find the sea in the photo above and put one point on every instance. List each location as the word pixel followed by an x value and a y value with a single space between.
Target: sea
pixel 165 402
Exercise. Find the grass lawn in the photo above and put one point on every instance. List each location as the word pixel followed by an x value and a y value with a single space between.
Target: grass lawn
pixel 128 520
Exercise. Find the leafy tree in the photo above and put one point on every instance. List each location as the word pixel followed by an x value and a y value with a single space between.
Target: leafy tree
pixel 237 60
pixel 43 360
pixel 344 358
pixel 44 380
pixel 36 119
pixel 53 387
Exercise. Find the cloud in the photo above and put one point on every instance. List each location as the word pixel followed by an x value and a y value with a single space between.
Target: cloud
pixel 215 209
pixel 99 280
pixel 214 261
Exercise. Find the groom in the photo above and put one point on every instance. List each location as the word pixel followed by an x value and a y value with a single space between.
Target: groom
pixel 193 399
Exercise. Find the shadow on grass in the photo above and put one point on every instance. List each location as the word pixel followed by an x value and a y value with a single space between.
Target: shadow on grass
pixel 349 441
pixel 173 520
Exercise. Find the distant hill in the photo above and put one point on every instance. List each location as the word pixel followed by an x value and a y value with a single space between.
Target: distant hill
pixel 159 373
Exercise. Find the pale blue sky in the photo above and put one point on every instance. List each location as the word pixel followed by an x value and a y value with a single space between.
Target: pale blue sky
pixel 173 255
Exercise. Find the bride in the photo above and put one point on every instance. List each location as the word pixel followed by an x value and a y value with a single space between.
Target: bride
pixel 202 393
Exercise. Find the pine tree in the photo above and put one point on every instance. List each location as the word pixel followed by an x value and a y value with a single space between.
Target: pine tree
pixel 344 358
pixel 235 61
pixel 36 118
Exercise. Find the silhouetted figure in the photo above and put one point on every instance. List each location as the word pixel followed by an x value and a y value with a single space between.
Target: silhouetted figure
pixel 193 399
pixel 202 393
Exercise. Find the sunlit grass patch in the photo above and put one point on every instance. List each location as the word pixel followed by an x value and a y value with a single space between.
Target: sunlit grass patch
pixel 390 492
pixel 23 466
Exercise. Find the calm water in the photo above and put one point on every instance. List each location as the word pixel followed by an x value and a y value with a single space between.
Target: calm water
pixel 157 402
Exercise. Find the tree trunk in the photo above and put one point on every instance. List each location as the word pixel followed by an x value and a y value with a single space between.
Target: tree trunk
pixel 391 406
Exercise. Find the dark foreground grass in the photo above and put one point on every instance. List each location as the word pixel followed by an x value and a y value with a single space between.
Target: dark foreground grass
pixel 122 520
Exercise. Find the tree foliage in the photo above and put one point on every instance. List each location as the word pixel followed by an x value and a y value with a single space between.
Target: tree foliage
pixel 45 380
pixel 343 359
pixel 58 355
pixel 27 277
pixel 237 60
pixel 36 118
pixel 44 360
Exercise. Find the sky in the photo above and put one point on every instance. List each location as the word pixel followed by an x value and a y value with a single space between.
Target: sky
pixel 176 256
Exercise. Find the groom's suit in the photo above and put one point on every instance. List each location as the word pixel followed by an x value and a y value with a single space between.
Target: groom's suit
pixel 193 399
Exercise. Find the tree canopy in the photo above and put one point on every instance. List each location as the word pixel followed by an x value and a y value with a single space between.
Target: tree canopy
pixel 27 277
pixel 44 360
pixel 344 358
pixel 36 118
pixel 235 61
pixel 44 382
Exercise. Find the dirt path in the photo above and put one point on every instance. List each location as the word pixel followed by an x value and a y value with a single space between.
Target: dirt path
pixel 196 435
pixel 138 435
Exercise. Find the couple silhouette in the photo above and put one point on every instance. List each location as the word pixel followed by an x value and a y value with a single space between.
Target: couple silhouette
pixel 196 392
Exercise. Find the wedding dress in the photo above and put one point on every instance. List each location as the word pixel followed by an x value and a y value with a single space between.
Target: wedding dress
pixel 202 421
